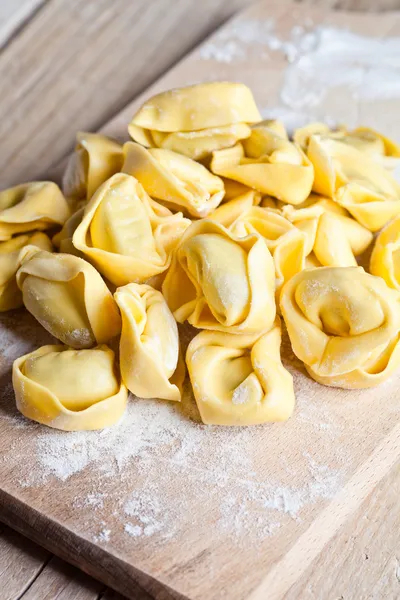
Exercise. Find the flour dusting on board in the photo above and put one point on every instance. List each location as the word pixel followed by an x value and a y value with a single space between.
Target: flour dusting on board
pixel 329 69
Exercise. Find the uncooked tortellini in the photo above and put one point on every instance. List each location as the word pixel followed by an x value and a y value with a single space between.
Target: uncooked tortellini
pixel 69 298
pixel 38 205
pixel 239 379
pixel 359 184
pixel 385 257
pixel 69 389
pixel 151 365
pixel 268 163
pixel 332 235
pixel 228 212
pixel 344 325
pixel 63 239
pixel 286 243
pixel 96 159
pixel 10 260
pixel 126 235
pixel 180 182
pixel 197 119
pixel 218 281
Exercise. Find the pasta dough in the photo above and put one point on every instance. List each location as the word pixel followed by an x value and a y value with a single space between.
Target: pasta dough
pixel 126 235
pixel 69 389
pixel 286 242
pixel 218 281
pixel 96 159
pixel 39 205
pixel 385 257
pixel 355 181
pixel 63 239
pixel 228 212
pixel 68 298
pixel 268 163
pixel 197 119
pixel 151 365
pixel 344 325
pixel 180 182
pixel 239 379
pixel 332 235
pixel 10 260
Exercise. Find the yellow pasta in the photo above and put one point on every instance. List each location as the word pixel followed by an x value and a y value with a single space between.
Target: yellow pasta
pixel 385 257
pixel 38 205
pixel 95 159
pixel 69 389
pixel 344 325
pixel 228 212
pixel 63 239
pixel 268 163
pixel 240 379
pixel 151 364
pixel 197 119
pixel 222 282
pixel 10 261
pixel 126 235
pixel 176 180
pixel 69 298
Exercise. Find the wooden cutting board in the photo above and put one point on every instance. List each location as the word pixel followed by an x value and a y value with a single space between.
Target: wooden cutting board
pixel 160 504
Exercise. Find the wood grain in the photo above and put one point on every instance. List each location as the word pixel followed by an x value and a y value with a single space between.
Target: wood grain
pixel 77 63
pixel 325 576
pixel 14 15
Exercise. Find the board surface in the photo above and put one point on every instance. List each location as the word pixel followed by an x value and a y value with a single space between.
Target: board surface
pixel 160 502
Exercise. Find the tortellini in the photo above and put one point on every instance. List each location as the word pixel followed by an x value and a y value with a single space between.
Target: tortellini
pixel 385 257
pixel 126 235
pixel 240 379
pixel 359 184
pixel 332 235
pixel 151 364
pixel 222 282
pixel 197 119
pixel 69 389
pixel 63 239
pixel 10 260
pixel 38 205
pixel 286 242
pixel 69 298
pixel 96 159
pixel 344 325
pixel 228 212
pixel 268 163
pixel 180 182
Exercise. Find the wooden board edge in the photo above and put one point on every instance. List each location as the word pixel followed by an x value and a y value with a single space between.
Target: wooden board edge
pixel 90 558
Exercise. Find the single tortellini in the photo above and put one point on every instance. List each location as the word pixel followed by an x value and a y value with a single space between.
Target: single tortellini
pixel 127 236
pixel 10 261
pixel 95 159
pixel 63 239
pixel 222 282
pixel 240 379
pixel 359 184
pixel 344 325
pixel 70 389
pixel 332 235
pixel 268 163
pixel 69 298
pixel 39 205
pixel 180 182
pixel 229 211
pixel 385 257
pixel 287 243
pixel 151 364
pixel 196 120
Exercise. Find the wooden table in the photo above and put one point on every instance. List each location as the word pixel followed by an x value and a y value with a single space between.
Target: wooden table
pixel 60 75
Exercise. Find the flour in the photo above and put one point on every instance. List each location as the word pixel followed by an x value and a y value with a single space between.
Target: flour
pixel 332 73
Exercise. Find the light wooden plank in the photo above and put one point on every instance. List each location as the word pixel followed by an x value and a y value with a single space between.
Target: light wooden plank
pixel 14 14
pixel 364 556
pixel 78 63
pixel 61 581
pixel 20 563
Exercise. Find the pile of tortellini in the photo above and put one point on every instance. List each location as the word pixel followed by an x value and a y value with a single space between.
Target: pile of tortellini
pixel 217 218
